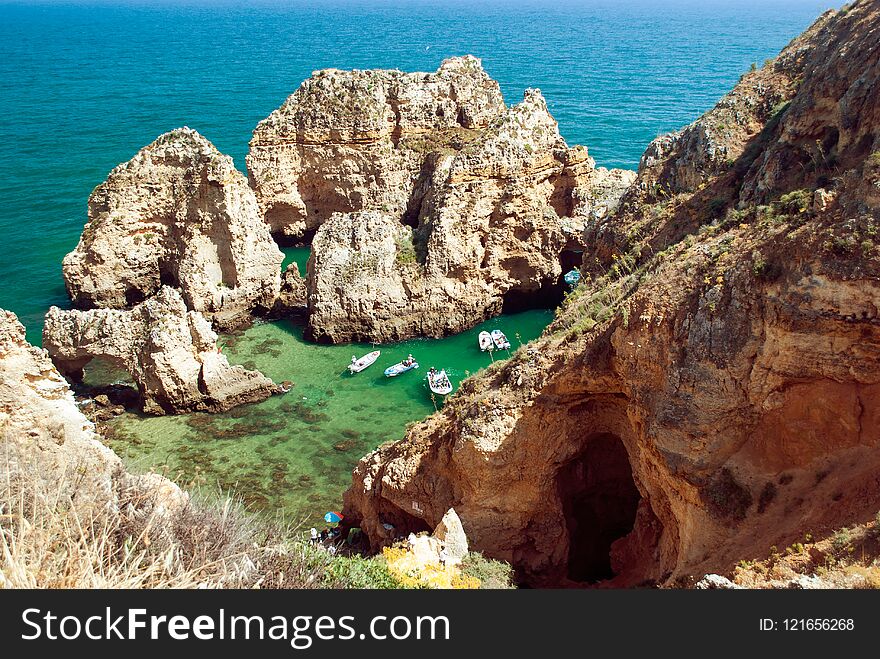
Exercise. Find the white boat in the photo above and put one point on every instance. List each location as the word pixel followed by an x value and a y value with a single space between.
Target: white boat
pixel 500 340
pixel 358 365
pixel 400 367
pixel 439 383
pixel 572 277
pixel 485 340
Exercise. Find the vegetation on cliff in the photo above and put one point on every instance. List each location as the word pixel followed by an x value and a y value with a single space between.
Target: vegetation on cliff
pixel 712 388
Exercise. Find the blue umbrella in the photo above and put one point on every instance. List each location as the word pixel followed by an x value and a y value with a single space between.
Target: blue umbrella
pixel 332 517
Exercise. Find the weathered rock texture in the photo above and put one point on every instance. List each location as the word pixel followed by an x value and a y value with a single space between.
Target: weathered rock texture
pixel 713 388
pixel 357 140
pixel 170 352
pixel 176 214
pixel 47 442
pixel 492 227
pixel 293 295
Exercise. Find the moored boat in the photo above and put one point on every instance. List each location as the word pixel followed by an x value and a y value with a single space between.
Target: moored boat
pixel 485 340
pixel 572 277
pixel 438 382
pixel 358 365
pixel 500 340
pixel 401 367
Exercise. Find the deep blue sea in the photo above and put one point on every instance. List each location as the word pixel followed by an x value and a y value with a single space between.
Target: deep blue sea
pixel 83 87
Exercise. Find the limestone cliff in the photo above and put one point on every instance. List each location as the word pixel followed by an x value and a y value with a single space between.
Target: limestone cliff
pixel 712 389
pixel 176 214
pixel 170 352
pixel 357 140
pixel 496 222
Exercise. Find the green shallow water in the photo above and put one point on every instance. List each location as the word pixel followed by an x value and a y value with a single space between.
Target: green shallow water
pixel 294 452
pixel 298 254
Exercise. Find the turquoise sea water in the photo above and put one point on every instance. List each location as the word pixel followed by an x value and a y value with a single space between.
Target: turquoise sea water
pixel 83 87
pixel 300 255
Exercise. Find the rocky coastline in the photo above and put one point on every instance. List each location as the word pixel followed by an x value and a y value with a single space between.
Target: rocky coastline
pixel 709 390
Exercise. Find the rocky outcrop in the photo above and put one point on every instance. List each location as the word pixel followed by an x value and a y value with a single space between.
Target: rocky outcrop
pixel 452 536
pixel 170 352
pixel 496 218
pixel 712 388
pixel 176 214
pixel 293 296
pixel 357 140
pixel 49 444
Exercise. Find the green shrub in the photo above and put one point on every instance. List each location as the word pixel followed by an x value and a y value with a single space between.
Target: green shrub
pixel 768 494
pixel 796 201
pixel 360 572
pixel 406 251
pixel 725 497
pixel 841 539
pixel 491 573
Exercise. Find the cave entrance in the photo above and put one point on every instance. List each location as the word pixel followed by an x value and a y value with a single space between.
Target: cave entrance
pixel 551 292
pixel 571 259
pixel 95 376
pixel 599 501
pixel 548 296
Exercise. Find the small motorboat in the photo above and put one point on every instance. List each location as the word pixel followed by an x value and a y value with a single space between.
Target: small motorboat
pixel 401 367
pixel 439 383
pixel 572 277
pixel 500 340
pixel 358 365
pixel 485 340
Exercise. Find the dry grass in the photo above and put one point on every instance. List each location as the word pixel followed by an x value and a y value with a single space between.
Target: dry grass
pixel 48 540
pixel 846 558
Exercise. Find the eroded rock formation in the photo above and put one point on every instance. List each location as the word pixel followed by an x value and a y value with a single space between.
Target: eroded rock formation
pixel 713 388
pixel 176 214
pixel 357 140
pixel 496 218
pixel 51 446
pixel 170 352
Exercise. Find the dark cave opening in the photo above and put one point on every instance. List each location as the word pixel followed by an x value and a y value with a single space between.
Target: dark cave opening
pixel 551 292
pixel 599 502
pixel 548 296
pixel 571 259
pixel 398 523
pixel 283 240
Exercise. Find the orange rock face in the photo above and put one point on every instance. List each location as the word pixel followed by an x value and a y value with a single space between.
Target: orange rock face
pixel 712 388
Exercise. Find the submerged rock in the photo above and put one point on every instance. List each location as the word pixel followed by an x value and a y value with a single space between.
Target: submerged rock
pixel 176 214
pixel 170 352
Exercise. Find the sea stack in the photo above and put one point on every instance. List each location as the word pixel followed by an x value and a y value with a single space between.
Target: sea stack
pixel 177 214
pixel 348 141
pixel 433 205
